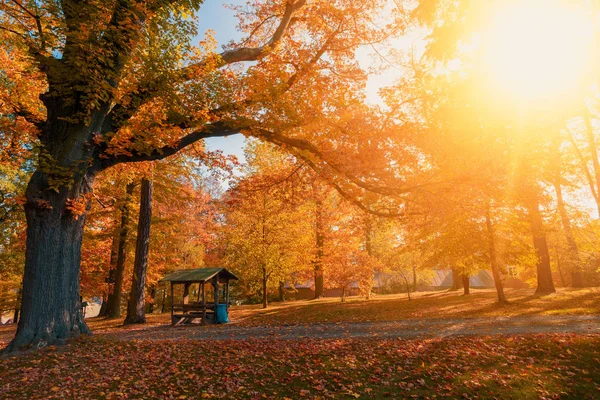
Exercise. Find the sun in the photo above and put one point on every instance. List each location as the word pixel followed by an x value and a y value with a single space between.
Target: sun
pixel 538 50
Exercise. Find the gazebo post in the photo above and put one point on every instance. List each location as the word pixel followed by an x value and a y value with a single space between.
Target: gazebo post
pixel 227 293
pixel 172 304
pixel 203 305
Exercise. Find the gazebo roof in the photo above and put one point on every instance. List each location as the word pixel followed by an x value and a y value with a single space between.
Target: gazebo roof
pixel 197 275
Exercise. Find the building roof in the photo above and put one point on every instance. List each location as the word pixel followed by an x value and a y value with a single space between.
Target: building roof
pixel 198 275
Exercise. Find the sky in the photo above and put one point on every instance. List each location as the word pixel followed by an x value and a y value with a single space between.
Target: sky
pixel 214 15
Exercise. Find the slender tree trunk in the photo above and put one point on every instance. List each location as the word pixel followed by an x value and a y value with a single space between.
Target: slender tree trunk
pixel 152 297
pixel 265 277
pixel 407 284
pixel 466 284
pixel 281 291
pixel 115 300
pixel 414 273
pixel 457 282
pixel 494 258
pixel 573 260
pixel 369 248
pixel 593 151
pixel 343 294
pixel 111 275
pixel 18 302
pixel 319 238
pixel 559 266
pixel 545 285
pixel 136 307
pixel 586 170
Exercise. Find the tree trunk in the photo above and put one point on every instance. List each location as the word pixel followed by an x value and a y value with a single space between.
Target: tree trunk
pixel 573 260
pixel 494 258
pixel 265 302
pixel 281 291
pixel 593 152
pixel 407 289
pixel 51 305
pixel 114 300
pixel 104 306
pixel 545 285
pixel 152 298
pixel 466 284
pixel 369 249
pixel 414 284
pixel 343 294
pixel 319 238
pixel 457 282
pixel 18 304
pixel 111 275
pixel 136 306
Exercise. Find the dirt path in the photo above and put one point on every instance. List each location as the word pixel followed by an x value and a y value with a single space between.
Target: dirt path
pixel 423 328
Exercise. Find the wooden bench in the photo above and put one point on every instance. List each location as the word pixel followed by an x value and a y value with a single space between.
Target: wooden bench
pixel 186 313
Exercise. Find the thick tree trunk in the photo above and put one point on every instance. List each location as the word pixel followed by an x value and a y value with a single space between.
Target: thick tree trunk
pixel 494 258
pixel 115 299
pixel 136 313
pixel 319 239
pixel 265 277
pixel 545 285
pixel 51 306
pixel 457 282
pixel 466 284
pixel 573 260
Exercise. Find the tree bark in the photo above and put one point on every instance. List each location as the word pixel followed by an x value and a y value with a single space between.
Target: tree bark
pixel 494 258
pixel 414 284
pixel 319 239
pixel 265 277
pixel 466 284
pixel 593 152
pixel 573 260
pixel 18 301
pixel 457 282
pixel 51 306
pixel 545 285
pixel 281 291
pixel 136 308
pixel 115 298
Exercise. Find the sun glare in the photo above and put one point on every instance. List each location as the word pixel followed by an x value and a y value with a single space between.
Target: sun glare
pixel 538 50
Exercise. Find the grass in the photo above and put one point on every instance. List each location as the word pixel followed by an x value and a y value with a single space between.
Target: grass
pixel 523 367
pixel 481 303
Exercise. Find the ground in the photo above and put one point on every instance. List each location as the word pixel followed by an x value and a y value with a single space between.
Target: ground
pixel 438 345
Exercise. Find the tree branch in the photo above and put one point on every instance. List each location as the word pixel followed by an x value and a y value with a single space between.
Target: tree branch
pixel 216 129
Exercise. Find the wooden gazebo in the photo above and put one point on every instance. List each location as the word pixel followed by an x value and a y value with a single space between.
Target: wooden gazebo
pixel 187 311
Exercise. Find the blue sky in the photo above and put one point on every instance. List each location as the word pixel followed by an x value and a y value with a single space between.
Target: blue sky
pixel 213 15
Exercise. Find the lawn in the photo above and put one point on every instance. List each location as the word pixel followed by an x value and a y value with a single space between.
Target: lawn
pixel 523 367
pixel 518 366
pixel 481 303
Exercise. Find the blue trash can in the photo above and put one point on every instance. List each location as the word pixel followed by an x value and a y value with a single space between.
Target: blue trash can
pixel 222 314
